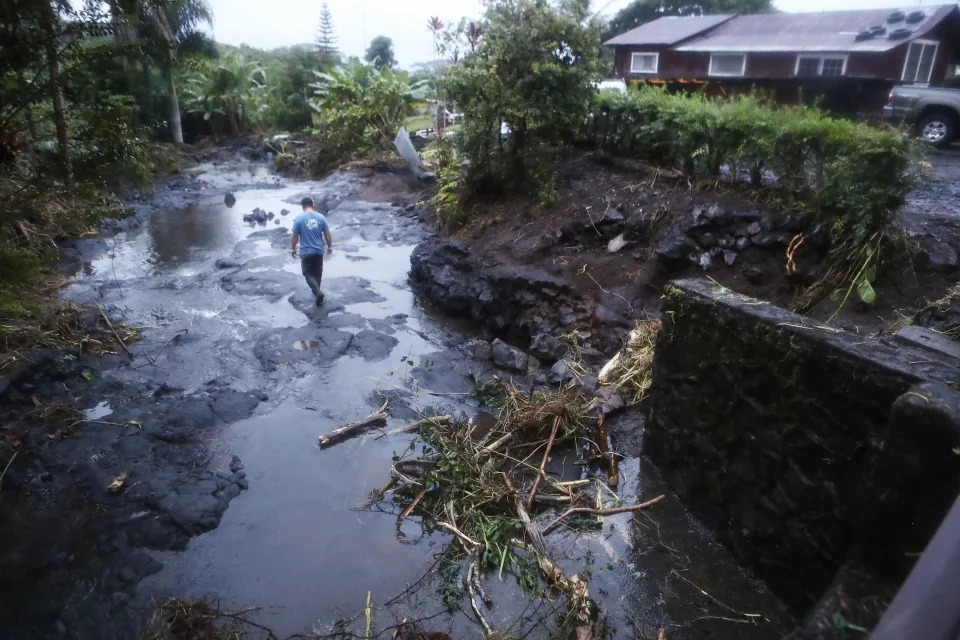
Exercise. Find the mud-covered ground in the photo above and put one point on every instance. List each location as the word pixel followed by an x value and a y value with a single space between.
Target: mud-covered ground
pixel 213 417
pixel 669 229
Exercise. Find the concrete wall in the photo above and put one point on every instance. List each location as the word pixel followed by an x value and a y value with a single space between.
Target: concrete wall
pixel 802 446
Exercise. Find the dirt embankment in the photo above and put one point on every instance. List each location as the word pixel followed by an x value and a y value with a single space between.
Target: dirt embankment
pixel 598 260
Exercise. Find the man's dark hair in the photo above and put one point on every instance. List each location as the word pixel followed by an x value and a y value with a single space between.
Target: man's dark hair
pixel 306 202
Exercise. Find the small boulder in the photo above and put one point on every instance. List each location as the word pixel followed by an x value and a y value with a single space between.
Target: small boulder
pixel 224 263
pixel 284 212
pixel 674 252
pixel 742 243
pixel 589 384
pixel 229 200
pixel 754 228
pixel 608 400
pixel 546 347
pixel 481 350
pixel 730 257
pixel 705 261
pixel 509 357
pixel 560 373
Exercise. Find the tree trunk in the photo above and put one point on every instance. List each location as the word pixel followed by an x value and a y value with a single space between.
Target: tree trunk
pixel 56 90
pixel 146 106
pixel 176 127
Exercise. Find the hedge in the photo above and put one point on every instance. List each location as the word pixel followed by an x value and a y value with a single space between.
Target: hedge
pixel 855 173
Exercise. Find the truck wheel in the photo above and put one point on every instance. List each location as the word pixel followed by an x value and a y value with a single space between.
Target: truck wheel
pixel 937 129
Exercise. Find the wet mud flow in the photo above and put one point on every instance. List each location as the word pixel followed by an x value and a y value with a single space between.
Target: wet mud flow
pixel 230 323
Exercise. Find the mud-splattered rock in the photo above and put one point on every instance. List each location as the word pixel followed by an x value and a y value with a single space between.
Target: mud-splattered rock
pixel 674 251
pixel 545 347
pixel 509 357
pixel 607 401
pixel 481 349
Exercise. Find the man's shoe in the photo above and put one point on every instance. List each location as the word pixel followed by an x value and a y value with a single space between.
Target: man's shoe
pixel 319 298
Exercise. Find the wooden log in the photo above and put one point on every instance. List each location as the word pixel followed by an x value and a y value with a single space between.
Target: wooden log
pixel 351 430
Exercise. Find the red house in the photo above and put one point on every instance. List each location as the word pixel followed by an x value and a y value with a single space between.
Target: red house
pixel 850 59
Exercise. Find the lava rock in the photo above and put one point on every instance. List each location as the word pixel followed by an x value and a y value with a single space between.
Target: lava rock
pixel 754 228
pixel 481 350
pixel 224 263
pixel 937 255
pixel 674 252
pixel 560 373
pixel 608 401
pixel 284 212
pixel 713 216
pixel 258 216
pixel 545 347
pixel 589 384
pixel 730 257
pixel 229 200
pixel 742 243
pixel 509 357
pixel 705 261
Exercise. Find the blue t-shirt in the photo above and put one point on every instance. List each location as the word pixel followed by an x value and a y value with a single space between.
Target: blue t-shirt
pixel 311 227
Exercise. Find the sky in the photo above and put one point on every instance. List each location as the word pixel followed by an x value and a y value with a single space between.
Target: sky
pixel 275 23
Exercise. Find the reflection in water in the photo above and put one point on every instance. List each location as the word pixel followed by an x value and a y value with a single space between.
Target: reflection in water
pixel 181 236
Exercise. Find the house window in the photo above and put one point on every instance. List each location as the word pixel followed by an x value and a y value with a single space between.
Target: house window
pixel 644 62
pixel 919 63
pixel 728 64
pixel 821 65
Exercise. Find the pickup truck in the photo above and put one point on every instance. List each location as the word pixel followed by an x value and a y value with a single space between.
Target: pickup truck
pixel 933 111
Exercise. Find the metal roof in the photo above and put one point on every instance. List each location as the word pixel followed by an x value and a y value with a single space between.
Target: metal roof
pixel 827 31
pixel 669 30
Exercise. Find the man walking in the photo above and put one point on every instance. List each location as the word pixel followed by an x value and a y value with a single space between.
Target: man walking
pixel 311 230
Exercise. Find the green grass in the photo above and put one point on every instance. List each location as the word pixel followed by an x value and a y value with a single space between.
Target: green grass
pixel 417 122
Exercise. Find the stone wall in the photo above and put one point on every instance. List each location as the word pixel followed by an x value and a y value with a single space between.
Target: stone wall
pixel 804 447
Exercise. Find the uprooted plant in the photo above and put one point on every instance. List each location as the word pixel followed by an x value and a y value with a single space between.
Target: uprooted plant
pixel 486 487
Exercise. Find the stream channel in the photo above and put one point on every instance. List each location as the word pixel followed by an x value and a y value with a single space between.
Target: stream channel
pixel 224 305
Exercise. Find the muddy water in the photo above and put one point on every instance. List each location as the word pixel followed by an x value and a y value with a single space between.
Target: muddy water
pixel 224 302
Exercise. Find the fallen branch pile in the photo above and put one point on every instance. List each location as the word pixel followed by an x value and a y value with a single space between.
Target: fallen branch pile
pixel 488 487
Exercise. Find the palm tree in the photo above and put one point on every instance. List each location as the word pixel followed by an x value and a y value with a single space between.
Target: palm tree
pixel 166 22
pixel 231 90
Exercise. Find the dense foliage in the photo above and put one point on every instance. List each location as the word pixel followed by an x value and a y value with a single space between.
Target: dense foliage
pixel 360 108
pixel 525 87
pixel 855 175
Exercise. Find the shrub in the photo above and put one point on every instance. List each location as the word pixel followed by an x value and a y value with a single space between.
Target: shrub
pixel 533 70
pixel 855 176
pixel 359 108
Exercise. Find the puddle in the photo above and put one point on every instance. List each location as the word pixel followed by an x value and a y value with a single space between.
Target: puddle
pixel 102 410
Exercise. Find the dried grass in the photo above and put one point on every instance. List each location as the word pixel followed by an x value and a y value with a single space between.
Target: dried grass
pixel 183 619
pixel 58 325
pixel 633 373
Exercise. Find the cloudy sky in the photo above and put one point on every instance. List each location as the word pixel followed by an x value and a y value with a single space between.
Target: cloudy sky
pixel 274 23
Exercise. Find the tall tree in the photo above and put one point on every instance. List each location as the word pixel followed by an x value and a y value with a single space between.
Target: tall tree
pixel 327 39
pixel 380 53
pixel 167 23
pixel 641 11
pixel 48 20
